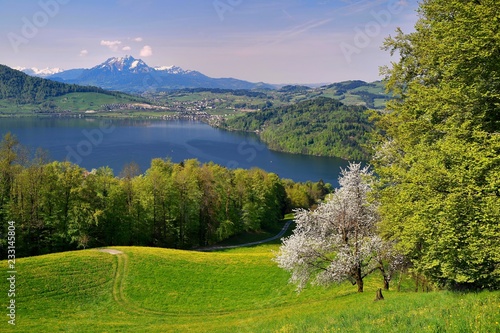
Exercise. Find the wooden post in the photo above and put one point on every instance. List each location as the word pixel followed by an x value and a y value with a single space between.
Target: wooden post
pixel 379 296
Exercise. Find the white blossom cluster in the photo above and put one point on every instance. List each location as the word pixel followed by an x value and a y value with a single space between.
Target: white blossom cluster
pixel 338 240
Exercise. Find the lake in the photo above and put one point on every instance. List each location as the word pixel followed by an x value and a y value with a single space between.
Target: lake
pixel 92 143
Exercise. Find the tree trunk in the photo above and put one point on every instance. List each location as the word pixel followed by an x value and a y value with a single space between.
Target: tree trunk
pixel 359 279
pixel 386 283
pixel 359 282
pixel 379 295
pixel 400 278
pixel 385 275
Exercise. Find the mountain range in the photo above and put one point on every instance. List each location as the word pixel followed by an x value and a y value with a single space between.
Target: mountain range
pixel 131 75
pixel 28 94
pixel 43 73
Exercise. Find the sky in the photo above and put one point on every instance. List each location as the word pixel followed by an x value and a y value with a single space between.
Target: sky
pixel 272 41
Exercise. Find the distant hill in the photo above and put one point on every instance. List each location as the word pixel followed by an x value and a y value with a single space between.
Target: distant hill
pixel 66 76
pixel 131 75
pixel 372 95
pixel 24 89
pixel 294 88
pixel 321 126
pixel 19 91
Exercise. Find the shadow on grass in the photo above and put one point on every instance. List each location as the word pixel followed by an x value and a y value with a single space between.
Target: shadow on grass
pixel 271 235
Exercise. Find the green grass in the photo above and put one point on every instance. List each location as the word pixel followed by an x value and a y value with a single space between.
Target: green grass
pixel 255 236
pixel 7 108
pixel 240 290
pixel 74 102
pixel 78 102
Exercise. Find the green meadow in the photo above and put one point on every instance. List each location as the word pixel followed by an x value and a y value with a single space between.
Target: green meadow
pixel 239 290
pixel 73 102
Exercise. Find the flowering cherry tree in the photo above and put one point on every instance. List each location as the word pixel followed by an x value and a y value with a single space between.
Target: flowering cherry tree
pixel 337 241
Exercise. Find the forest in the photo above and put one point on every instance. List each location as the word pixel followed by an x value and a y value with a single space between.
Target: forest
pixel 58 206
pixel 437 148
pixel 432 202
pixel 20 88
pixel 435 160
pixel 321 127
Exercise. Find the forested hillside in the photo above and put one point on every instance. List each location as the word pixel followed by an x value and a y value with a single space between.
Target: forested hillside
pixel 438 156
pixel 58 206
pixel 20 88
pixel 322 127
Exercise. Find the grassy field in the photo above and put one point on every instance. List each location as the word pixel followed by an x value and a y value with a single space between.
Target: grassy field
pixel 78 102
pixel 73 102
pixel 240 290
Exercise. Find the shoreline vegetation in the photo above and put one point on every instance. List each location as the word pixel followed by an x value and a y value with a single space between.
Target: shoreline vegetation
pixel 59 206
pixel 223 122
pixel 327 121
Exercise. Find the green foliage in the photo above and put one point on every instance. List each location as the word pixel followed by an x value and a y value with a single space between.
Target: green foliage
pixel 439 152
pixel 58 206
pixel 23 93
pixel 322 127
pixel 160 290
pixel 234 92
pixel 24 89
pixel 305 195
pixel 230 103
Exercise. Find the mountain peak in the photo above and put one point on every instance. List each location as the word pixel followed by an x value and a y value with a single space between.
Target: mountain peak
pixel 172 70
pixel 124 64
pixel 132 75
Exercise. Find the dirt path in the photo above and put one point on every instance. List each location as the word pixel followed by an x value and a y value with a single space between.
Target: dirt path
pixel 122 266
pixel 118 284
pixel 215 248
pixel 111 251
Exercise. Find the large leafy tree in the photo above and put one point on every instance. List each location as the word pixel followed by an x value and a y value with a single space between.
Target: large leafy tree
pixel 338 241
pixel 438 156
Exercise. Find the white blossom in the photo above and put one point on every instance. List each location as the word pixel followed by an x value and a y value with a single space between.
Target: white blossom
pixel 337 241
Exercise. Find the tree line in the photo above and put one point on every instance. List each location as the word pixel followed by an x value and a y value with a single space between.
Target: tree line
pixel 436 198
pixel 322 127
pixel 21 88
pixel 438 147
pixel 58 206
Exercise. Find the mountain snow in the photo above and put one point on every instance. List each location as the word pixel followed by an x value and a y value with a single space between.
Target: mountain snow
pixel 163 68
pixel 134 64
pixel 124 64
pixel 120 64
pixel 132 75
pixel 172 69
pixel 44 72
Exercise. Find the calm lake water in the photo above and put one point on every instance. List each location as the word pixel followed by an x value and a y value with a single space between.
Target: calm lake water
pixel 93 143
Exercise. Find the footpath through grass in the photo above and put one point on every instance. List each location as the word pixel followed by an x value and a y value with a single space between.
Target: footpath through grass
pixel 239 290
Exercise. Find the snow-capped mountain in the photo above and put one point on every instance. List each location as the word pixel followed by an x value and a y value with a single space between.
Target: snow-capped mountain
pixel 44 72
pixel 124 64
pixel 132 75
pixel 172 69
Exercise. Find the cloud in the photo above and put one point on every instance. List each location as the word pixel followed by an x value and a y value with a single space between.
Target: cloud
pixel 146 51
pixel 126 48
pixel 112 44
pixel 83 53
pixel 138 39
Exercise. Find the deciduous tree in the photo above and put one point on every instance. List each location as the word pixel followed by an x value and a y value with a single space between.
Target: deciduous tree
pixel 337 241
pixel 438 155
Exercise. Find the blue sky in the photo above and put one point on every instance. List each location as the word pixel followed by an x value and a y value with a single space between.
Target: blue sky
pixel 274 41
